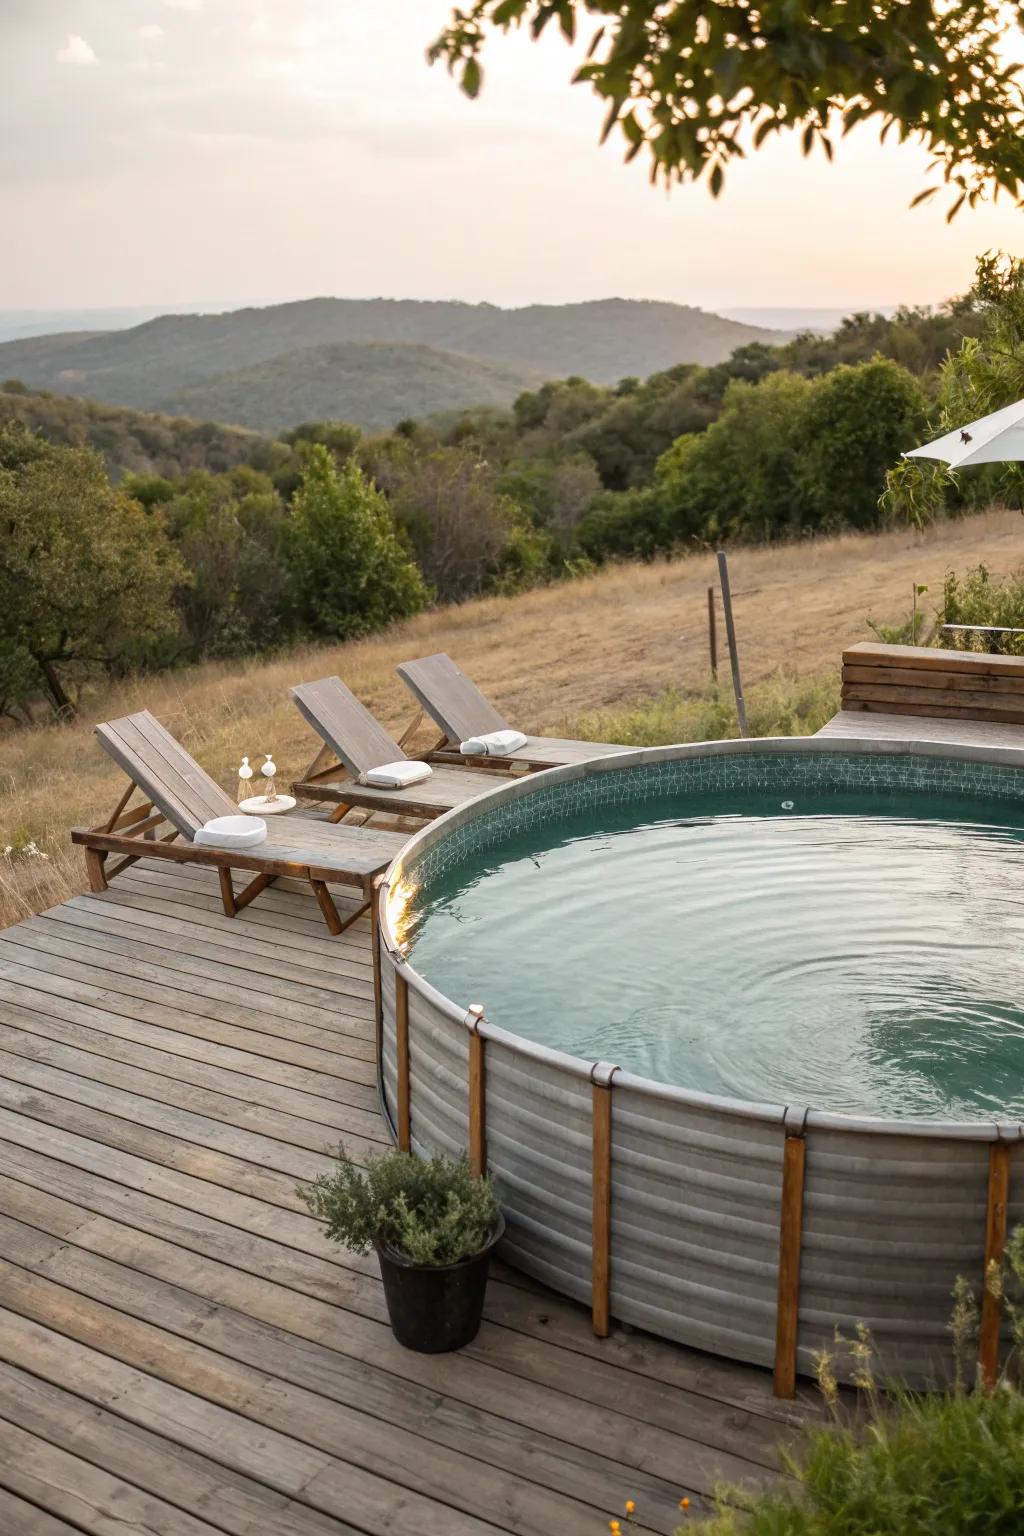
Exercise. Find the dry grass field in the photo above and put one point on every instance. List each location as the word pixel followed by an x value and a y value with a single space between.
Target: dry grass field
pixel 549 658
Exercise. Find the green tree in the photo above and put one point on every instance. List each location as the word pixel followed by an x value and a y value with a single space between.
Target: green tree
pixel 86 574
pixel 230 530
pixel 983 375
pixel 466 534
pixel 350 571
pixel 697 84
pixel 742 477
pixel 854 424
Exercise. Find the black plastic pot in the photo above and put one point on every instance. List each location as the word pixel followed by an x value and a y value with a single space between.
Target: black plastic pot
pixel 436 1307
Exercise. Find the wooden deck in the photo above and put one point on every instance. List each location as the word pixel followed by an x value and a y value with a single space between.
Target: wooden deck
pixel 869 725
pixel 182 1353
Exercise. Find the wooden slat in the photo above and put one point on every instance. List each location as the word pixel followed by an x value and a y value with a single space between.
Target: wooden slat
pixel 938 682
pixel 601 1215
pixel 446 788
pixel 787 1316
pixel 346 725
pixel 995 1245
pixel 964 698
pixel 870 653
pixel 477 1104
pixel 451 699
pixel 404 1105
pixel 935 711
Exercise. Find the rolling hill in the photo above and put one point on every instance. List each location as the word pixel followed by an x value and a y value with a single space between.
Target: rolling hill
pixel 133 442
pixel 374 384
pixel 151 365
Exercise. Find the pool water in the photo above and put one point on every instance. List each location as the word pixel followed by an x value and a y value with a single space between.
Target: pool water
pixel 842 952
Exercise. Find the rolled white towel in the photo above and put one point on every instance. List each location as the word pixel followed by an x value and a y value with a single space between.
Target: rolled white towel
pixel 493 744
pixel 398 775
pixel 232 832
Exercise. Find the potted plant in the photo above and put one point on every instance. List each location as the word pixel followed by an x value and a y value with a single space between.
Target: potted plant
pixel 434 1227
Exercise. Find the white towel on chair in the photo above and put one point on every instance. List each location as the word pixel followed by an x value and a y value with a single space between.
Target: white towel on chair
pixel 493 744
pixel 398 775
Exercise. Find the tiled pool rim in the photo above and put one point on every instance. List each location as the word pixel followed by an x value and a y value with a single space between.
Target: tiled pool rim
pixel 864 764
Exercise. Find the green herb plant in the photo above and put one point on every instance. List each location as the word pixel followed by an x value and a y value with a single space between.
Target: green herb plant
pixel 433 1211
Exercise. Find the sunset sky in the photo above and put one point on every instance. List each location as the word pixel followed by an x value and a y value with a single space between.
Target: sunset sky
pixel 248 151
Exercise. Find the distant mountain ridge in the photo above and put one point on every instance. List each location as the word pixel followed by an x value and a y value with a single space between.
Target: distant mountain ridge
pixel 152 365
pixel 372 383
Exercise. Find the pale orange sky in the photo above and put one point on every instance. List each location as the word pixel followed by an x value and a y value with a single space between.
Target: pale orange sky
pixel 247 151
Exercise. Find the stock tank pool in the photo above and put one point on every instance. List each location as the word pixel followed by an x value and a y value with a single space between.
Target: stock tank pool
pixel 743 944
pixel 860 952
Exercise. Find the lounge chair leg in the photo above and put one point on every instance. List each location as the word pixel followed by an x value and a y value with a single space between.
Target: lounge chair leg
pixel 338 812
pixel 252 890
pixel 325 901
pixel 94 862
pixel 227 892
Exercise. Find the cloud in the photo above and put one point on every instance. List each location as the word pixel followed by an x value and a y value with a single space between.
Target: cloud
pixel 183 5
pixel 76 51
pixel 152 33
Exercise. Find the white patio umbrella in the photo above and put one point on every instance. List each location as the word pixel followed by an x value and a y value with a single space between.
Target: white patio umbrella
pixel 994 439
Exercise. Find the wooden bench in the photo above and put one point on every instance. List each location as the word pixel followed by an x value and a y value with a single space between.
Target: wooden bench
pixel 920 680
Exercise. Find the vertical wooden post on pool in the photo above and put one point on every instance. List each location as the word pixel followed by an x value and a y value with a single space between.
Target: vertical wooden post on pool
pixel 791 1217
pixel 402 1054
pixel 995 1243
pixel 376 902
pixel 477 1093
pixel 601 1075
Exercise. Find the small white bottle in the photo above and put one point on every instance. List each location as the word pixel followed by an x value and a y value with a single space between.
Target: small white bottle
pixel 269 772
pixel 244 781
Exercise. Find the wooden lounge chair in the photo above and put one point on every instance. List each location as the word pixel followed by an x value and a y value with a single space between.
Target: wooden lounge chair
pixel 179 792
pixel 461 711
pixel 354 743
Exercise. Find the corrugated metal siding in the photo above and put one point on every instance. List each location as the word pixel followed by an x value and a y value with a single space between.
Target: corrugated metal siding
pixel 889 1223
pixel 695 1225
pixel 539 1155
pixel 438 1079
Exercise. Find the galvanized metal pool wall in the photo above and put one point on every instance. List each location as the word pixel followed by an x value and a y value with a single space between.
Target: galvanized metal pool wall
pixel 753 1231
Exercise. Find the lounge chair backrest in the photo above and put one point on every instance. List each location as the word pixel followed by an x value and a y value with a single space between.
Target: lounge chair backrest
pixel 164 771
pixel 347 726
pixel 451 698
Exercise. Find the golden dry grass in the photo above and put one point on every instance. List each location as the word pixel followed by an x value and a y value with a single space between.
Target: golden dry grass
pixel 546 657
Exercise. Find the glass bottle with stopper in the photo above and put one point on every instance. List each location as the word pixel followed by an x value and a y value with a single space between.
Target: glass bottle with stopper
pixel 244 781
pixel 269 772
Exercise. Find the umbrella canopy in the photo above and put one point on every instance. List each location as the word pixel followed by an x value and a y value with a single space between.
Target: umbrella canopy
pixel 994 439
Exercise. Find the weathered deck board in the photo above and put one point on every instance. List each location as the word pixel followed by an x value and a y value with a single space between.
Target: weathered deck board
pixel 180 1348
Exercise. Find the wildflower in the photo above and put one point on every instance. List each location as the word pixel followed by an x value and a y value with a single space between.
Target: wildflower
pixel 684 1503
pixel 615 1527
pixel 630 1507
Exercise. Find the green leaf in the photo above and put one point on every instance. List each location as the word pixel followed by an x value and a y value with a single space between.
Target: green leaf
pixel 472 77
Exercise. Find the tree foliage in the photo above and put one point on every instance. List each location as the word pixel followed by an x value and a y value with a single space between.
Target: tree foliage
pixel 86 574
pixel 984 374
pixel 693 83
pixel 350 572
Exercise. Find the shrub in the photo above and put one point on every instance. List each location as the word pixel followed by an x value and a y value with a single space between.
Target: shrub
pixel 975 598
pixel 350 571
pixel 433 1211
pixel 779 706
pixel 924 1465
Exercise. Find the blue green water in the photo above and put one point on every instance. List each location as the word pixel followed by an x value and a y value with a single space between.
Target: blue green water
pixel 805 952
